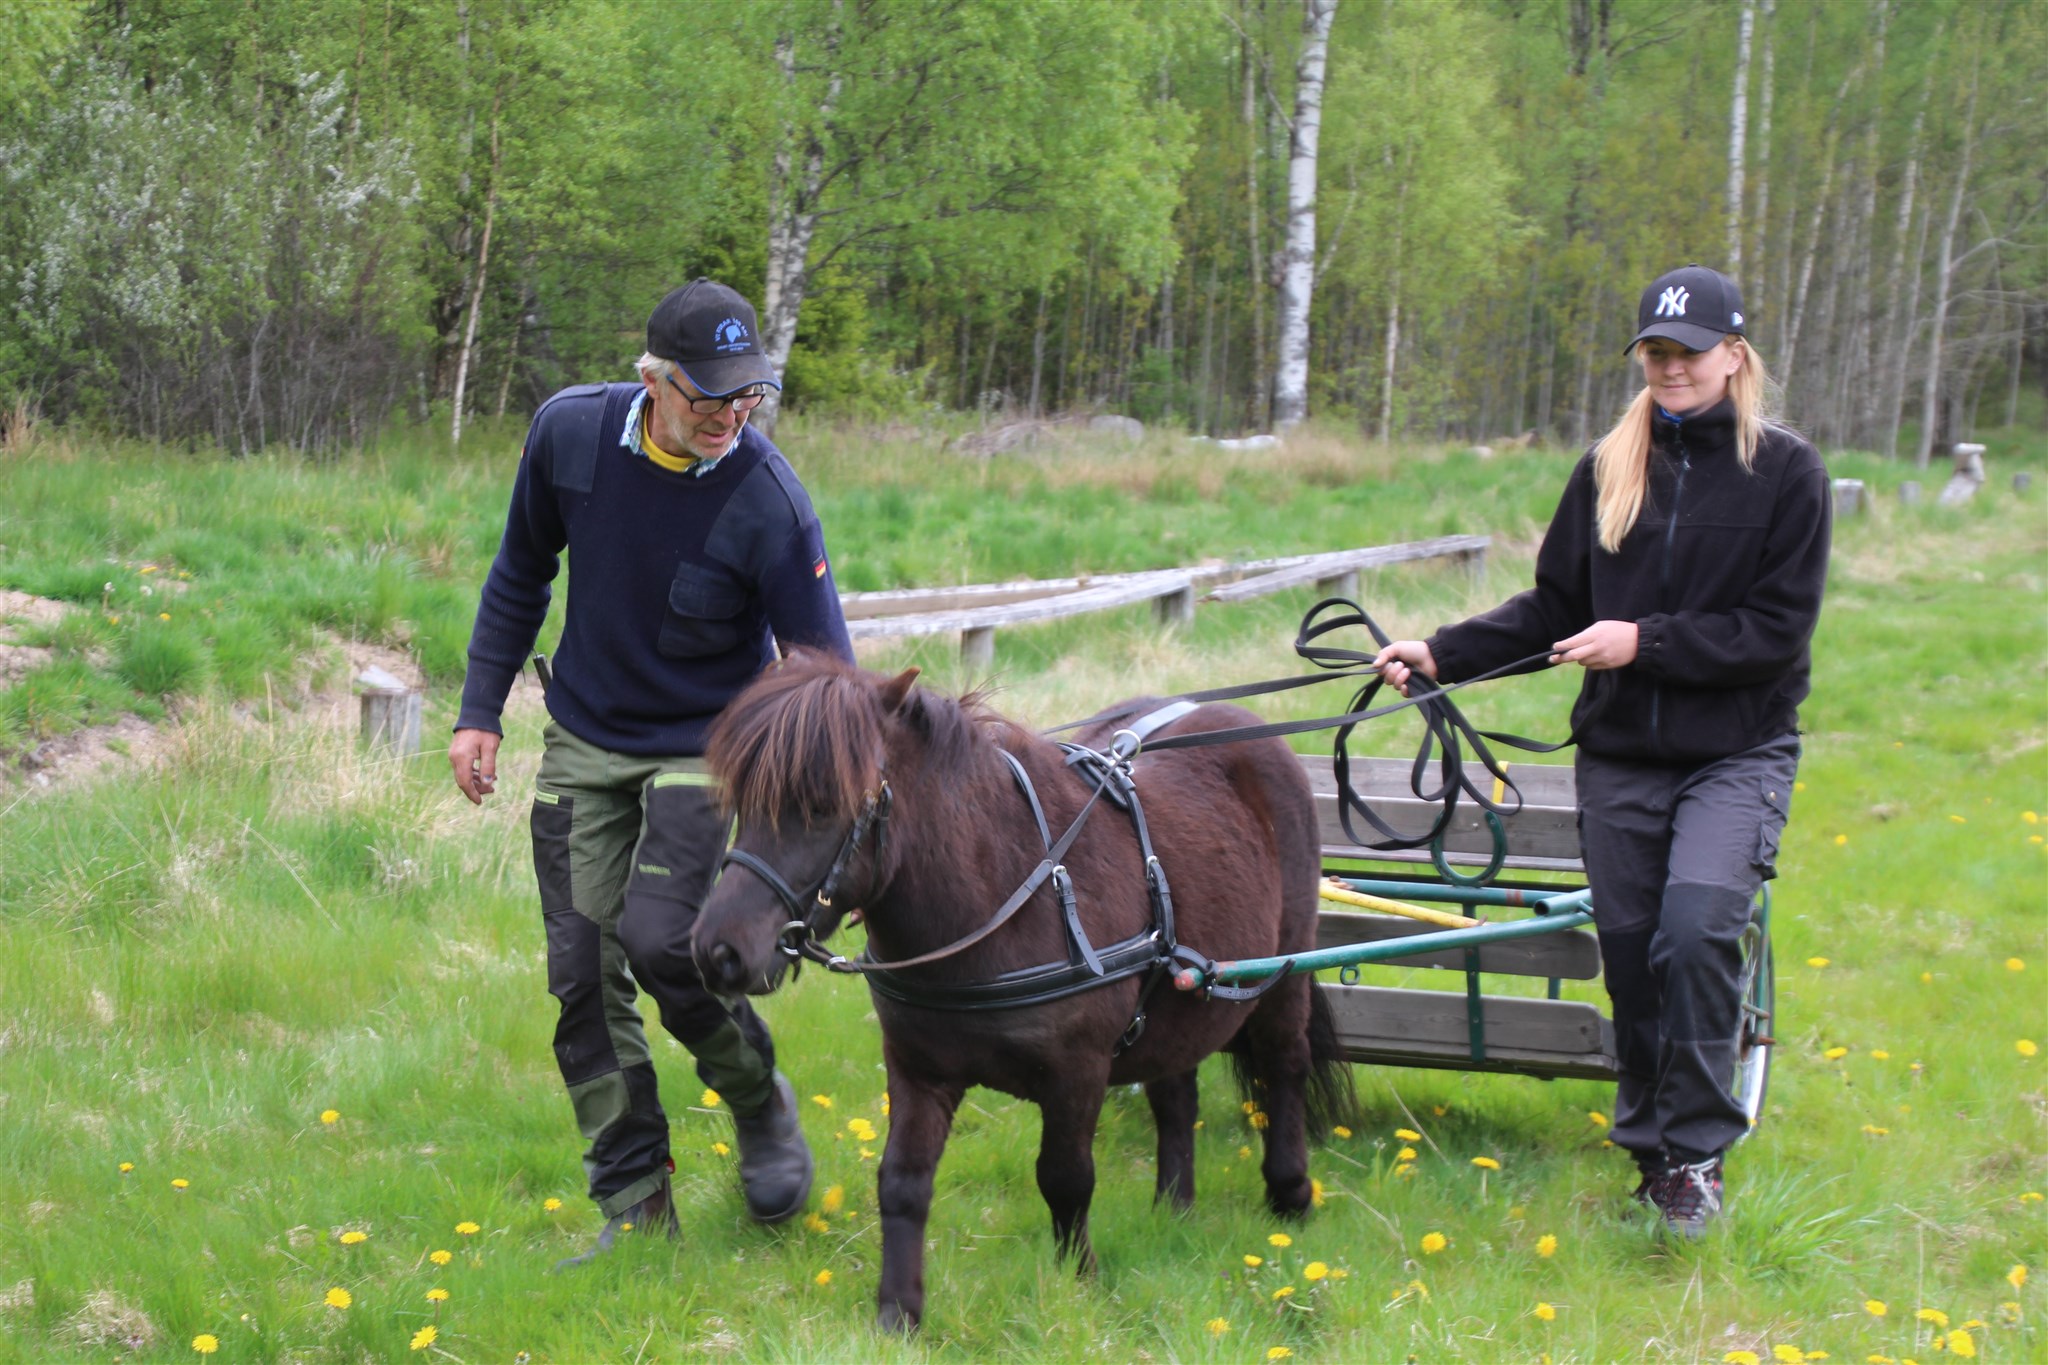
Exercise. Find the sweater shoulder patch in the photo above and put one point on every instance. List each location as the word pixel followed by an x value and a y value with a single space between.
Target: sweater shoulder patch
pixel 757 522
pixel 571 426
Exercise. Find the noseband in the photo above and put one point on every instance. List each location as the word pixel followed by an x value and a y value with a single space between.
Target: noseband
pixel 798 939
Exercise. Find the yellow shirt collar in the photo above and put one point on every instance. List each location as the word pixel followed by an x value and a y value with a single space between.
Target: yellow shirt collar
pixel 676 463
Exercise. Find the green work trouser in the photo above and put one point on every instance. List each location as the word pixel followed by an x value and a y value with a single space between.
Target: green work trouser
pixel 625 849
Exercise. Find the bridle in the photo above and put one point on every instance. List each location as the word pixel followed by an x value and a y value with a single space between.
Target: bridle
pixel 799 937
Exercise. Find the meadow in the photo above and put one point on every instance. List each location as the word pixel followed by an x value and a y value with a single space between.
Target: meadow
pixel 275 1077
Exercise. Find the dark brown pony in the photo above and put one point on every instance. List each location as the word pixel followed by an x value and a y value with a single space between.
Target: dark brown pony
pixel 802 751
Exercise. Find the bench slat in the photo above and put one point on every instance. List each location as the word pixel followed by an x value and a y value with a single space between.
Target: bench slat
pixel 1390 1026
pixel 1573 954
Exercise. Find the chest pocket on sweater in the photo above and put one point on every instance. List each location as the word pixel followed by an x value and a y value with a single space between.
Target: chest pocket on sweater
pixel 705 614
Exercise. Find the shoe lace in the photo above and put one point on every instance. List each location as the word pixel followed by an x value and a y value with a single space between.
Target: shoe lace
pixel 1689 1190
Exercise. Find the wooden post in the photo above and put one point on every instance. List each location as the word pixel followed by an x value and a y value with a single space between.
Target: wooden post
pixel 1849 499
pixel 1175 608
pixel 1909 493
pixel 977 650
pixel 1343 585
pixel 1475 564
pixel 2022 481
pixel 390 713
pixel 1968 476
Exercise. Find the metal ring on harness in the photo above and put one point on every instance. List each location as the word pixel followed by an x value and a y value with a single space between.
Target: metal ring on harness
pixel 1494 827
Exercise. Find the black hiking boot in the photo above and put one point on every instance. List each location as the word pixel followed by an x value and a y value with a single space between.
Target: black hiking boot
pixel 1690 1195
pixel 654 1214
pixel 1650 1166
pixel 775 1163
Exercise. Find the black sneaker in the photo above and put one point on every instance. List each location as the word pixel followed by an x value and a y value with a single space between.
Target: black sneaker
pixel 1651 1166
pixel 1689 1195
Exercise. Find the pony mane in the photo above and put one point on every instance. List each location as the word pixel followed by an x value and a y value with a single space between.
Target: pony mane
pixel 808 738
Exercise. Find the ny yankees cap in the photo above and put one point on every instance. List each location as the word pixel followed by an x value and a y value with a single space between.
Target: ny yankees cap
pixel 710 331
pixel 1693 306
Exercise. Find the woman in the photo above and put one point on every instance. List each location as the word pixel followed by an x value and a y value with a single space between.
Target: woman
pixel 1683 570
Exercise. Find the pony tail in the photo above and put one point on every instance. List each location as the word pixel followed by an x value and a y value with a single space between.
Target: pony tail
pixel 1621 471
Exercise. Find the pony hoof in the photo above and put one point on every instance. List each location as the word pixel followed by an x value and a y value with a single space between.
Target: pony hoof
pixel 896 1320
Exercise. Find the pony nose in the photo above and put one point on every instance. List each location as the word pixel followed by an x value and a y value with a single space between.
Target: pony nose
pixel 722 968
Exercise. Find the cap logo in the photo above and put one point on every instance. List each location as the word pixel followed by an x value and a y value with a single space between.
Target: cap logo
pixel 1671 303
pixel 1736 318
pixel 731 335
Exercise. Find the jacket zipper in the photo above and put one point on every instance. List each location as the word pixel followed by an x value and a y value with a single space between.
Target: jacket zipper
pixel 1664 578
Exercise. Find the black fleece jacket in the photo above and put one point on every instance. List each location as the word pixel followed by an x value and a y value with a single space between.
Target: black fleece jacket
pixel 1722 574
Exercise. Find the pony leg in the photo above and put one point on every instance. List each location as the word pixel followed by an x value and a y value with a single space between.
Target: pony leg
pixel 920 1117
pixel 1174 1105
pixel 1066 1162
pixel 1278 1037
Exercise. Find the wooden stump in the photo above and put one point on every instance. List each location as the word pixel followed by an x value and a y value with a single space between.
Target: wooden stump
pixel 977 651
pixel 1849 499
pixel 390 714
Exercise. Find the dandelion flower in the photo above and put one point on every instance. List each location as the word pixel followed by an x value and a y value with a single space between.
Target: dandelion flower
pixel 1407 1135
pixel 1545 1313
pixel 1314 1270
pixel 2026 1047
pixel 1433 1242
pixel 1406 1168
pixel 1933 1315
pixel 1405 1154
pixel 338 1297
pixel 467 1228
pixel 1789 1354
pixel 354 1238
pixel 181 1183
pixel 1217 1326
pixel 1279 1352
pixel 1243 1153
pixel 1961 1343
pixel 2030 817
pixel 1485 1163
pixel 1598 1119
pixel 1253 1262
pixel 2013 964
pixel 1279 1239
pixel 1341 1131
pixel 1285 1291
pixel 1877 1308
pixel 816 1224
pixel 440 1257
pixel 1835 1054
pixel 1418 1287
pixel 1315 1194
pixel 1927 978
pixel 709 1099
pixel 550 1204
pixel 2031 1197
pixel 126 1167
pixel 330 1116
pixel 822 1101
pixel 1873 1130
pixel 1741 1358
pixel 1879 1054
pixel 1259 1120
pixel 1841 839
pixel 861 1129
pixel 1817 962
pixel 1439 1109
pixel 437 1296
pixel 206 1343
pixel 822 1278
pixel 424 1338
pixel 1546 1246
pixel 720 1149
pixel 2017 1276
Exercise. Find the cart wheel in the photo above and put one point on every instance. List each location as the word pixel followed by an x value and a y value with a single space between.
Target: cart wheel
pixel 1753 1040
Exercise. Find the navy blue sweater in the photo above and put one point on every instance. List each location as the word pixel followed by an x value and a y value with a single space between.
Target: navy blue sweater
pixel 681 585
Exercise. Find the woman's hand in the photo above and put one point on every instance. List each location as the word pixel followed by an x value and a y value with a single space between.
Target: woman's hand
pixel 1604 644
pixel 1403 658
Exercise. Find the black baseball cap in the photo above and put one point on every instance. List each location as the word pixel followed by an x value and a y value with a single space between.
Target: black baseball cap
pixel 710 331
pixel 1692 305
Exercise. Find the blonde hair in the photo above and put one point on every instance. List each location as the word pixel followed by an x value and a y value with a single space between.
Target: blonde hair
pixel 1621 458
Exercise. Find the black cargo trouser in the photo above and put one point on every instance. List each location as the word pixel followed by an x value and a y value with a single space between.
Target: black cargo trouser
pixel 1674 855
pixel 626 849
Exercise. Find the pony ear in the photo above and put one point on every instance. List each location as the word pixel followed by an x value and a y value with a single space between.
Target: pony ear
pixel 897 689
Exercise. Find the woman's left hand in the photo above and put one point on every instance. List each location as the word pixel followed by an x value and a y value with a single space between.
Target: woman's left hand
pixel 1604 644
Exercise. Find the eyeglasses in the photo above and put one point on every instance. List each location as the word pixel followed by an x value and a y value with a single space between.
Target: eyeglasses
pixel 744 401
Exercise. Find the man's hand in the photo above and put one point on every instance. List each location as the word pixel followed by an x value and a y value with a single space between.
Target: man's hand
pixel 1399 660
pixel 1604 644
pixel 474 757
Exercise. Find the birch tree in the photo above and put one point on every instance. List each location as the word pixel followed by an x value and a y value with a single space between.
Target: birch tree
pixel 1738 125
pixel 1290 385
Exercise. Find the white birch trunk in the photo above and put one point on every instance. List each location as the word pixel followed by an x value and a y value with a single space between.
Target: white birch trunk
pixel 1898 319
pixel 1765 94
pixel 1387 368
pixel 1930 388
pixel 476 294
pixel 792 224
pixel 1738 130
pixel 1290 381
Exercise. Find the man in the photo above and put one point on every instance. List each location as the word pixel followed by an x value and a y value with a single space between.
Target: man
pixel 696 551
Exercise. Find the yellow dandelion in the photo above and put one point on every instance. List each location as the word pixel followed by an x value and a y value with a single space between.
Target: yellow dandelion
pixel 424 1338
pixel 1339 1273
pixel 1279 1239
pixel 867 1154
pixel 1253 1262
pixel 181 1183
pixel 1741 1358
pixel 354 1238
pixel 1545 1313
pixel 2031 1197
pixel 2017 1276
pixel 1485 1163
pixel 330 1116
pixel 1817 962
pixel 2013 964
pixel 1243 1153
pixel 885 1104
pixel 1439 1109
pixel 2026 1047
pixel 1279 1352
pixel 1873 1130
pixel 1418 1287
pixel 437 1296
pixel 1259 1120
pixel 1405 1154
pixel 1315 1194
pixel 163 616
pixel 1879 1054
pixel 1927 978
pixel 440 1257
pixel 861 1129
pixel 1961 1343
pixel 822 1101
pixel 816 1224
pixel 1285 1291
pixel 338 1297
pixel 1879 1360
pixel 1933 1315
pixel 1433 1242
pixel 1518 1211
pixel 1596 1118
pixel 1790 1355
pixel 1841 839
pixel 467 1228
pixel 1959 819
pixel 1406 1169
pixel 206 1343
pixel 1341 1131
pixel 126 1167
pixel 1835 1054
pixel 1407 1135
pixel 1217 1326
pixel 1314 1270
pixel 1546 1246
pixel 550 1204
pixel 833 1199
pixel 1877 1308
pixel 822 1278
pixel 1249 1107
pixel 2030 817
pixel 720 1149
pixel 709 1099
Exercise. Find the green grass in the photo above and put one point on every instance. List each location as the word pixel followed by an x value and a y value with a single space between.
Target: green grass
pixel 196 961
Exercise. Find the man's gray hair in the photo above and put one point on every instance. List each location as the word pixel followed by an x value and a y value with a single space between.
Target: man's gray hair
pixel 652 366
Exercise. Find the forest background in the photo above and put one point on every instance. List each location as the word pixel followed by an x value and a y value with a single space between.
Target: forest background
pixel 239 225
